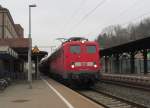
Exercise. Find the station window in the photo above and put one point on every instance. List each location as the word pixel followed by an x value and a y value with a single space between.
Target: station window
pixel 75 49
pixel 91 48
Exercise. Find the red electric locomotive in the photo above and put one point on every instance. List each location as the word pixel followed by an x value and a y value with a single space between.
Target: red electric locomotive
pixel 76 60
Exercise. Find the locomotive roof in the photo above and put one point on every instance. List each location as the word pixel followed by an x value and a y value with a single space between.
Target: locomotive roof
pixel 77 39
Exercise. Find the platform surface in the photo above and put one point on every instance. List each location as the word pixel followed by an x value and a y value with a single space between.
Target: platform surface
pixel 18 95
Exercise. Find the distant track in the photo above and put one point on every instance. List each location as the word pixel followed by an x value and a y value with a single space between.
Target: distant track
pixel 131 85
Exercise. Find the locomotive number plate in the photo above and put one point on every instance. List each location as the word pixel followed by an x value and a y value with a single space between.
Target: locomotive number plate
pixel 84 63
pixel 77 63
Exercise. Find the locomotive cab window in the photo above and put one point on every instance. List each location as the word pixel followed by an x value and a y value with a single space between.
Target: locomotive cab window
pixel 75 49
pixel 91 48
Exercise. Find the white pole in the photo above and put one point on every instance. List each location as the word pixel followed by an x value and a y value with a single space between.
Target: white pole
pixel 29 51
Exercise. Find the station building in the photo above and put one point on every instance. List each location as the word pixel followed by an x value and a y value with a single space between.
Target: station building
pixel 13 47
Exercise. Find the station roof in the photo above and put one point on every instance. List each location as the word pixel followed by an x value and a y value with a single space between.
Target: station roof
pixel 21 46
pixel 132 46
pixel 7 53
pixel 15 42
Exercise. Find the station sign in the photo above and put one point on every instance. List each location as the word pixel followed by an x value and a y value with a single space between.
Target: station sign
pixel 35 50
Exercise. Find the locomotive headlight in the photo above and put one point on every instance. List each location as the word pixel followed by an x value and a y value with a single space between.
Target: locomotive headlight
pixel 72 66
pixel 95 65
pixel 82 41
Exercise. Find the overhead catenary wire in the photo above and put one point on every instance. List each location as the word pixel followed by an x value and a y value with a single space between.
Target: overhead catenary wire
pixel 88 14
pixel 46 46
pixel 125 11
pixel 82 3
pixel 136 18
pixel 128 8
pixel 122 13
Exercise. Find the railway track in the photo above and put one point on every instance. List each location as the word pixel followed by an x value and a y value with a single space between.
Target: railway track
pixel 109 101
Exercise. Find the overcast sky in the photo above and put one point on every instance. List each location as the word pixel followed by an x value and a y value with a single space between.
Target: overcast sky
pixel 52 19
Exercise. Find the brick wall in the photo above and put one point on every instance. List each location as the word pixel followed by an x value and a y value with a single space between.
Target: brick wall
pixel 19 30
pixel 15 42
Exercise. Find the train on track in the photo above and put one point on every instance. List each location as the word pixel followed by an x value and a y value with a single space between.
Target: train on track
pixel 76 61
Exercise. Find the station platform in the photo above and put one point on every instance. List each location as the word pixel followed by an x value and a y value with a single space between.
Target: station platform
pixel 140 79
pixel 128 75
pixel 45 93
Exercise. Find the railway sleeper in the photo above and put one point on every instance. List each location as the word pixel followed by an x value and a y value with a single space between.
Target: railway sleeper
pixel 121 105
pixel 114 102
pixel 103 97
pixel 110 102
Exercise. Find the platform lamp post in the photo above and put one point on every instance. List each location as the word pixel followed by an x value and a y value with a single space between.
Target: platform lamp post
pixel 30 49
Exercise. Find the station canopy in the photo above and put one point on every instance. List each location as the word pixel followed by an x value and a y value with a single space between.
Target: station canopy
pixel 18 48
pixel 7 53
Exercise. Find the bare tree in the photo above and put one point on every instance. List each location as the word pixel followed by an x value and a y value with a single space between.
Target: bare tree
pixel 115 34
